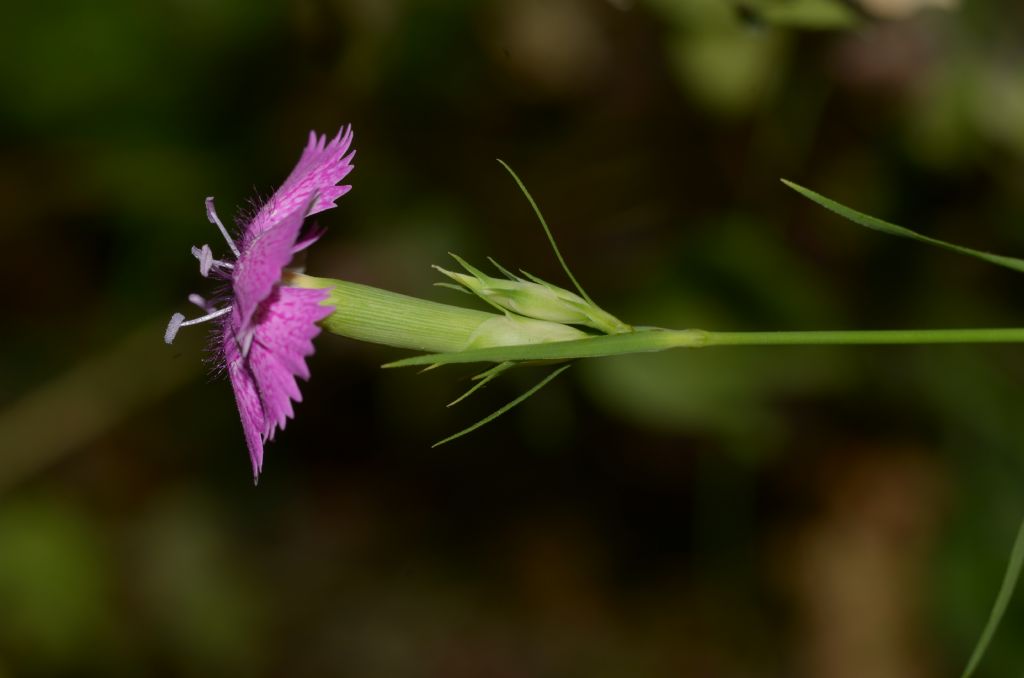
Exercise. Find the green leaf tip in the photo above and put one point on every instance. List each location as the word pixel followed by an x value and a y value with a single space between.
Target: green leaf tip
pixel 505 408
pixel 876 224
pixel 547 230
pixel 504 271
pixel 482 380
pixel 1010 579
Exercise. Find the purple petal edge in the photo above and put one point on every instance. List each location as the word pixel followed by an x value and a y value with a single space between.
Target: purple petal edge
pixel 264 380
pixel 320 168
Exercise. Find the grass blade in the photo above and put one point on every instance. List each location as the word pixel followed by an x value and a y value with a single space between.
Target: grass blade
pixel 892 229
pixel 547 231
pixel 1013 569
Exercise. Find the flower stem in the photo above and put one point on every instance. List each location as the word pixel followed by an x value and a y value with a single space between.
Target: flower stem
pixel 866 337
pixel 648 340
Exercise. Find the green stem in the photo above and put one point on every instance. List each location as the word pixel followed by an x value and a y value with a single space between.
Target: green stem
pixel 866 337
pixel 644 341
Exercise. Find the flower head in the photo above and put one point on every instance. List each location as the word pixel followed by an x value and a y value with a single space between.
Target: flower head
pixel 265 329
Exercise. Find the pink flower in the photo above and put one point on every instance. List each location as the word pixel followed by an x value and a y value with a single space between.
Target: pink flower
pixel 266 328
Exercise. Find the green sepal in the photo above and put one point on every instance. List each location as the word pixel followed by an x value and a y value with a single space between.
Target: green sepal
pixel 534 298
pixel 504 271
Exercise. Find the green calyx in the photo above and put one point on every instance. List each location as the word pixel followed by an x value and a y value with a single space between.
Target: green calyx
pixel 382 317
pixel 532 297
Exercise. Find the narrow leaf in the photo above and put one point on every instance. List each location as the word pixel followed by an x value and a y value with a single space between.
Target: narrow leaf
pixel 547 231
pixel 1002 601
pixel 481 380
pixel 504 271
pixel 497 413
pixel 893 229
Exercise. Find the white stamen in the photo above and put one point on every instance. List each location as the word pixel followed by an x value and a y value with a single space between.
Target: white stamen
pixel 200 302
pixel 206 260
pixel 178 321
pixel 211 214
pixel 205 257
pixel 172 328
pixel 209 316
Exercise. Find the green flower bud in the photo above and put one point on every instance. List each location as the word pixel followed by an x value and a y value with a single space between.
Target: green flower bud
pixel 514 330
pixel 535 298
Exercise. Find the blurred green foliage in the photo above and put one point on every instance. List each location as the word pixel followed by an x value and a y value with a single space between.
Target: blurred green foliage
pixel 831 511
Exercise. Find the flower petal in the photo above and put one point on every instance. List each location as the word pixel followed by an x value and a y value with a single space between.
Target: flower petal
pixel 309 237
pixel 258 269
pixel 322 165
pixel 250 409
pixel 285 326
pixel 264 378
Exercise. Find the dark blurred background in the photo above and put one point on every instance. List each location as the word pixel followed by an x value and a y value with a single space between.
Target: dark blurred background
pixel 731 512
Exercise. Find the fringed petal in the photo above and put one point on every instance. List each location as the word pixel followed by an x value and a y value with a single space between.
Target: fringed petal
pixel 284 328
pixel 250 408
pixel 321 167
pixel 258 269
